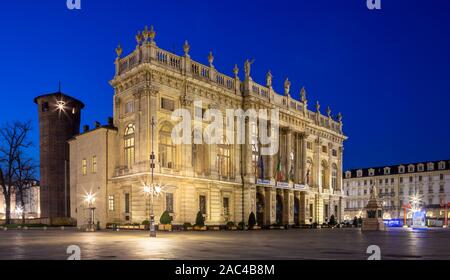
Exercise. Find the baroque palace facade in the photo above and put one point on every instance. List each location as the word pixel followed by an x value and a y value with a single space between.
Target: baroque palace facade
pixel 398 185
pixel 300 185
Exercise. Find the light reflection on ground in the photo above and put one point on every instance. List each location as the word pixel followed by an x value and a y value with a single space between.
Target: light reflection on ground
pixel 397 243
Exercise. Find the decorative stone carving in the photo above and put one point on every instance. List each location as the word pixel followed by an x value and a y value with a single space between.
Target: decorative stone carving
pixel 374 210
pixel 318 107
pixel 303 95
pixel 236 71
pixel 186 48
pixel 287 87
pixel 210 59
pixel 139 38
pixel 329 112
pixel 247 68
pixel 269 79
pixel 119 51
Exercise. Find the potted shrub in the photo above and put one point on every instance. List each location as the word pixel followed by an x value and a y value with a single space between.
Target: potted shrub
pixel 200 222
pixel 231 226
pixel 332 222
pixel 145 225
pixel 165 222
pixel 241 226
pixel 187 226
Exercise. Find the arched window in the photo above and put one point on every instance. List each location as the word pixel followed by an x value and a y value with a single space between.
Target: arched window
pixel 334 173
pixel 129 145
pixel 166 149
pixel 224 159
pixel 324 174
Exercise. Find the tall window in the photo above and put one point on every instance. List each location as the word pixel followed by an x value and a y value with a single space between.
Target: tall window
pixel 224 160
pixel 111 203
pixel 202 204
pixel 226 206
pixel 94 164
pixel 334 173
pixel 169 202
pixel 166 148
pixel 129 145
pixel 84 166
pixel 127 203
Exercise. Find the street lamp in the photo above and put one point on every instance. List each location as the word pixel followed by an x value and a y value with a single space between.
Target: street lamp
pixel 152 190
pixel 89 198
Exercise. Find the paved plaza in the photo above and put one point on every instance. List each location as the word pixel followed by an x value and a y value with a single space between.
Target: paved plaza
pixel 294 244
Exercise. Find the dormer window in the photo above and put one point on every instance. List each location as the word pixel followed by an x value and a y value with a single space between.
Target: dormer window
pixel 430 166
pixel 387 171
pixel 441 165
pixel 359 173
pixel 411 168
pixel 371 172
pixel 420 167
pixel 348 174
pixel 401 169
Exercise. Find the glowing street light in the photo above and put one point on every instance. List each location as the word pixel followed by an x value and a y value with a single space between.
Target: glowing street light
pixel 89 198
pixel 19 211
pixel 152 191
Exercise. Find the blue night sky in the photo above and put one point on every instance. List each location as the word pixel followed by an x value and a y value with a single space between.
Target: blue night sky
pixel 387 71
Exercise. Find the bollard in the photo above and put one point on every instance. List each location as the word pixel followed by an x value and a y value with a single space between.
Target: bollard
pixel 62 227
pixel 45 228
pixel 25 228
pixel 5 228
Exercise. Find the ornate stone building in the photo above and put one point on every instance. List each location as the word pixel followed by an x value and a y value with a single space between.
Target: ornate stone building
pixel 300 185
pixel 398 185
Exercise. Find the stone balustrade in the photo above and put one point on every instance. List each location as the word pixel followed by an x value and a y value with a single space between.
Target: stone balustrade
pixel 150 53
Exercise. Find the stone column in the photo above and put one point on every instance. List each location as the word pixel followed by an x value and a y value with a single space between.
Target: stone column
pixel 304 157
pixel 249 172
pixel 270 205
pixel 288 152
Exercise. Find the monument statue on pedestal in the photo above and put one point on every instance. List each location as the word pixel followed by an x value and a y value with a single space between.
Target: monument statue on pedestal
pixel 374 210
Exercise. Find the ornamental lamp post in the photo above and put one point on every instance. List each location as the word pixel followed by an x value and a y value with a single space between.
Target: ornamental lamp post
pixel 90 199
pixel 151 191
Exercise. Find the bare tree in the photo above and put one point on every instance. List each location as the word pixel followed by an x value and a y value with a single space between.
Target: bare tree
pixel 13 141
pixel 23 179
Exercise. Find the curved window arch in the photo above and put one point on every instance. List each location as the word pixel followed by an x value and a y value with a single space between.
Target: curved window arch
pixel 166 148
pixel 129 150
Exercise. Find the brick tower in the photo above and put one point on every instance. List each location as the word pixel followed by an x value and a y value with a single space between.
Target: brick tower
pixel 59 120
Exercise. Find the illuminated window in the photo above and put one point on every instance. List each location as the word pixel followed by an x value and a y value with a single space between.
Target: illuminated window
pixel 84 166
pixel 226 206
pixel 111 202
pixel 224 160
pixel 334 173
pixel 169 202
pixel 94 164
pixel 129 145
pixel 166 148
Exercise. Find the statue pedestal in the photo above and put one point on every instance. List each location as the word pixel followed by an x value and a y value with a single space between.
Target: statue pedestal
pixel 372 224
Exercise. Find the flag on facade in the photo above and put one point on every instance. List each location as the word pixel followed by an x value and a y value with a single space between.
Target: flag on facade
pixel 261 167
pixel 279 171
